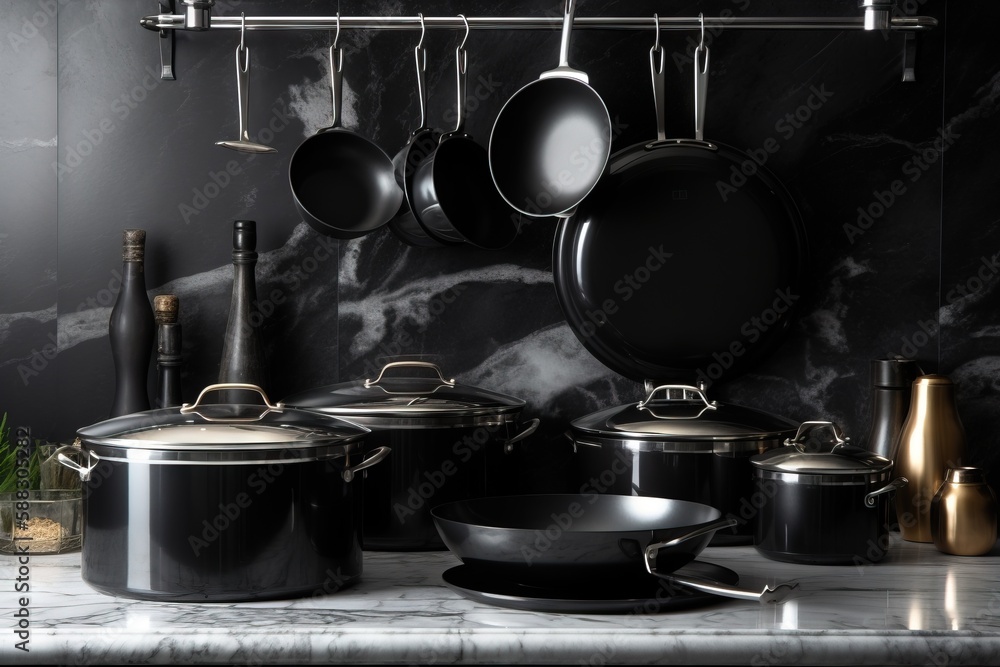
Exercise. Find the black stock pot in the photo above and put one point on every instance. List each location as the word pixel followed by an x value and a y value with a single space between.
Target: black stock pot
pixel 677 444
pixel 221 502
pixel 445 437
pixel 823 501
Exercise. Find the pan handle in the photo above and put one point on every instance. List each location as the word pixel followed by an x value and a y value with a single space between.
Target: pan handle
pixel 337 82
pixel 659 82
pixel 376 456
pixel 83 470
pixel 700 87
pixel 420 55
pixel 564 69
pixel 653 549
pixel 769 594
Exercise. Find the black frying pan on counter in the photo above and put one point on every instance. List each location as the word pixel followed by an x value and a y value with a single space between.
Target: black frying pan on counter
pixel 686 261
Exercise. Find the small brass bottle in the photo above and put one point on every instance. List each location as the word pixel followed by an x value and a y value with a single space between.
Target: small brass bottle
pixel 932 440
pixel 964 513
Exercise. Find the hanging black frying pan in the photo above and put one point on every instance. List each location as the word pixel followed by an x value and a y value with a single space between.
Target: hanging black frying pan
pixel 452 192
pixel 342 183
pixel 422 142
pixel 551 140
pixel 667 271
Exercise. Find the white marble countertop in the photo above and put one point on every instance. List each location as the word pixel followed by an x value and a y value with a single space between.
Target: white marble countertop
pixel 918 606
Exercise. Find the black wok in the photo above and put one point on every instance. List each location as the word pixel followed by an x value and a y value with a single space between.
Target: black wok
pixel 452 192
pixel 552 139
pixel 574 536
pixel 343 184
pixel 664 274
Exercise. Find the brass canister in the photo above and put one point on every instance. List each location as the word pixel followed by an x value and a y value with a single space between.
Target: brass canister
pixel 932 440
pixel 964 513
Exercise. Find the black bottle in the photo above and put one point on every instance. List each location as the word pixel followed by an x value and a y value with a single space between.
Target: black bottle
pixel 892 381
pixel 243 349
pixel 168 351
pixel 131 329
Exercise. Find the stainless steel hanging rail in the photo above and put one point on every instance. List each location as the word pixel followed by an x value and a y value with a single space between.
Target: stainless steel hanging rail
pixel 178 22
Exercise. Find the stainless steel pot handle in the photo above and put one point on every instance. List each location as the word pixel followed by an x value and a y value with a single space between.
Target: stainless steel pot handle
pixel 189 408
pixel 528 430
pixel 653 549
pixel 805 428
pixel 409 364
pixel 686 388
pixel 872 498
pixel 83 470
pixel 376 456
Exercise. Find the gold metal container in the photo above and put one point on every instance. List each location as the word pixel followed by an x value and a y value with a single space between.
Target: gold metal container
pixel 932 440
pixel 964 513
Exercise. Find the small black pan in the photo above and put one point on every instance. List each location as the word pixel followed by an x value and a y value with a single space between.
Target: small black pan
pixel 552 139
pixel 452 191
pixel 342 183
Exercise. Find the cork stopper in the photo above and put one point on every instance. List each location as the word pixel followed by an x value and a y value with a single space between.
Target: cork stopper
pixel 165 308
pixel 133 244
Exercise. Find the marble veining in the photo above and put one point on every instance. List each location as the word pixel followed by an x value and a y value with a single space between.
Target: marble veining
pixel 916 606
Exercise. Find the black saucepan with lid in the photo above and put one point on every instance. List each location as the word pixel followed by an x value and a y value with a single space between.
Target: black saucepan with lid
pixel 449 441
pixel 823 501
pixel 221 502
pixel 678 444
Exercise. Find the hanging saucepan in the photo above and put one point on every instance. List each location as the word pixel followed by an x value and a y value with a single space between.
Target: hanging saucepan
pixel 823 504
pixel 540 539
pixel 453 193
pixel 343 184
pixel 215 502
pixel 552 139
pixel 664 274
pixel 449 441
pixel 678 444
pixel 406 225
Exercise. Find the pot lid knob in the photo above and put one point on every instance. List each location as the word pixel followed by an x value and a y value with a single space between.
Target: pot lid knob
pixel 806 439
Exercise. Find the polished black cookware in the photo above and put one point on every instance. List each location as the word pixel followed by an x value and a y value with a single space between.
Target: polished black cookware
pixel 450 442
pixel 823 500
pixel 221 502
pixel 678 444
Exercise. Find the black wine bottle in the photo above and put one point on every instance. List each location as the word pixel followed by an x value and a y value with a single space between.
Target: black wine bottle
pixel 131 329
pixel 168 351
pixel 243 348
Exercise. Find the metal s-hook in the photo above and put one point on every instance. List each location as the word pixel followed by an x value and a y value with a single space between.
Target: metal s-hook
pixel 701 18
pixel 423 31
pixel 243 30
pixel 336 35
pixel 656 22
pixel 461 47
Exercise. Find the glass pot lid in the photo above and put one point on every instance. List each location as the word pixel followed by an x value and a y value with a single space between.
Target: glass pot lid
pixel 406 398
pixel 682 413
pixel 223 429
pixel 810 454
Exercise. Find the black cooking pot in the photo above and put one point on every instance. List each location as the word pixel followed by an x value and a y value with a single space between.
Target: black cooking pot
pixel 221 502
pixel 446 438
pixel 678 444
pixel 822 501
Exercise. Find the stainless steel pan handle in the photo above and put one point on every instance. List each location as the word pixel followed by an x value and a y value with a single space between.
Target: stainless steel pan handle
pixel 564 69
pixel 653 549
pixel 656 66
pixel 768 595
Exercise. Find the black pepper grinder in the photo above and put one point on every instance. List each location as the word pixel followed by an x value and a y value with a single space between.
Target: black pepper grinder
pixel 243 349
pixel 892 382
pixel 131 329
pixel 168 351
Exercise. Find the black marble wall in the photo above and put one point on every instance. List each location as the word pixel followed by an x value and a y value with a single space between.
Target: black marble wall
pixel 916 276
